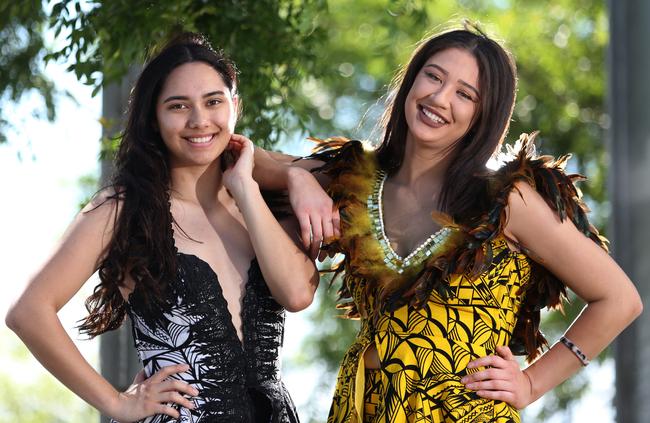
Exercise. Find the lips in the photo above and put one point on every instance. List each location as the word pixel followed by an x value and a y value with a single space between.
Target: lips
pixel 431 117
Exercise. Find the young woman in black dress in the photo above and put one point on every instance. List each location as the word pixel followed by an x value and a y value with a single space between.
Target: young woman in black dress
pixel 186 246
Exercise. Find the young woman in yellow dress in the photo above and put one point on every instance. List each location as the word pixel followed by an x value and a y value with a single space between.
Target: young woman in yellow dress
pixel 448 263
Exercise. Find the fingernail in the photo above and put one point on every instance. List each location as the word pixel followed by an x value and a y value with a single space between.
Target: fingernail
pixel 463 380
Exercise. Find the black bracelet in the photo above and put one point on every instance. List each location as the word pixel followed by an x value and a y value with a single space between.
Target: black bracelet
pixel 575 350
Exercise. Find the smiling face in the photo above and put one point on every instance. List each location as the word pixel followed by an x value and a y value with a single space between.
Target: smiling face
pixel 195 114
pixel 443 100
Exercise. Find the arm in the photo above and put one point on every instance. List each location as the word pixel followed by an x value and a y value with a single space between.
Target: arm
pixel 612 301
pixel 274 171
pixel 318 218
pixel 34 319
pixel 291 275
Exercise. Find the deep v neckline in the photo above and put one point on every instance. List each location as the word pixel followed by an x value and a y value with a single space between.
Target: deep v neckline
pixel 222 297
pixel 392 259
pixel 218 288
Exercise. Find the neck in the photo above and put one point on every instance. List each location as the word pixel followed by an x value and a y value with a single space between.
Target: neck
pixel 197 185
pixel 423 170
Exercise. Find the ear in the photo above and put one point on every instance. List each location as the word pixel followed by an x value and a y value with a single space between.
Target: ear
pixel 154 125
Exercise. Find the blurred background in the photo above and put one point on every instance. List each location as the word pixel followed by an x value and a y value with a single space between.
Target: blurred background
pixel 321 68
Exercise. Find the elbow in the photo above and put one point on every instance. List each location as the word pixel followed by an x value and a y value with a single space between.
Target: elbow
pixel 301 299
pixel 299 302
pixel 636 308
pixel 14 319
pixel 633 303
pixel 629 308
pixel 21 317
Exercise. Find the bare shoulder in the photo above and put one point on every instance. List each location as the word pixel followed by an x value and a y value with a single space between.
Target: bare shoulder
pixel 107 198
pixel 97 219
pixel 562 249
pixel 528 214
pixel 104 205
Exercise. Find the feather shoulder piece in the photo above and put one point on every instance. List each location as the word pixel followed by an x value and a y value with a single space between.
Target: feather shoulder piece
pixel 351 167
pixel 548 177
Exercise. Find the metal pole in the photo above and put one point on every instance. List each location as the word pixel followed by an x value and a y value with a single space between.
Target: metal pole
pixel 629 183
pixel 118 360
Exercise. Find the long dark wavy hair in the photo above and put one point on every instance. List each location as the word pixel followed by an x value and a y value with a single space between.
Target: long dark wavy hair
pixel 497 86
pixel 142 246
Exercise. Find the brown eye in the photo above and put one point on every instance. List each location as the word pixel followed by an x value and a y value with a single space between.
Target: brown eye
pixel 433 76
pixel 464 95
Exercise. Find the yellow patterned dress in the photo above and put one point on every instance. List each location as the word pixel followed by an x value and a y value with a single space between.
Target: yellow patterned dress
pixel 459 296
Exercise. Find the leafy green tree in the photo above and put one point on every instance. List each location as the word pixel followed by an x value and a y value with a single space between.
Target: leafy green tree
pixel 22 49
pixel 317 66
pixel 272 41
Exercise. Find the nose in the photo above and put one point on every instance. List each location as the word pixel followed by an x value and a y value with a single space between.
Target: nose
pixel 198 118
pixel 441 96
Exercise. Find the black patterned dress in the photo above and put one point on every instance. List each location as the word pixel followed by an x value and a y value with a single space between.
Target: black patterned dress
pixel 237 381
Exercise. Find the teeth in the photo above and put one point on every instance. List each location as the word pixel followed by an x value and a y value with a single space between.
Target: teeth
pixel 432 116
pixel 200 140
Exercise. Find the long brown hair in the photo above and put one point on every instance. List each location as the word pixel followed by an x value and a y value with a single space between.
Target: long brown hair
pixel 497 84
pixel 142 246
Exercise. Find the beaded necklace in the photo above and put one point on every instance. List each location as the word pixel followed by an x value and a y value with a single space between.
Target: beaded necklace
pixel 393 260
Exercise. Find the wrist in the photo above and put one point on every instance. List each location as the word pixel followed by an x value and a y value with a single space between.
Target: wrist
pixel 111 405
pixel 295 176
pixel 242 187
pixel 530 385
pixel 532 392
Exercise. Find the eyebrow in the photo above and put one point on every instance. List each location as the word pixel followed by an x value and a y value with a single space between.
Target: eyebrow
pixel 181 97
pixel 443 70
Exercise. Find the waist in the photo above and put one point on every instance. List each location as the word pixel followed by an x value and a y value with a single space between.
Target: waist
pixel 226 369
pixel 430 353
pixel 472 324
